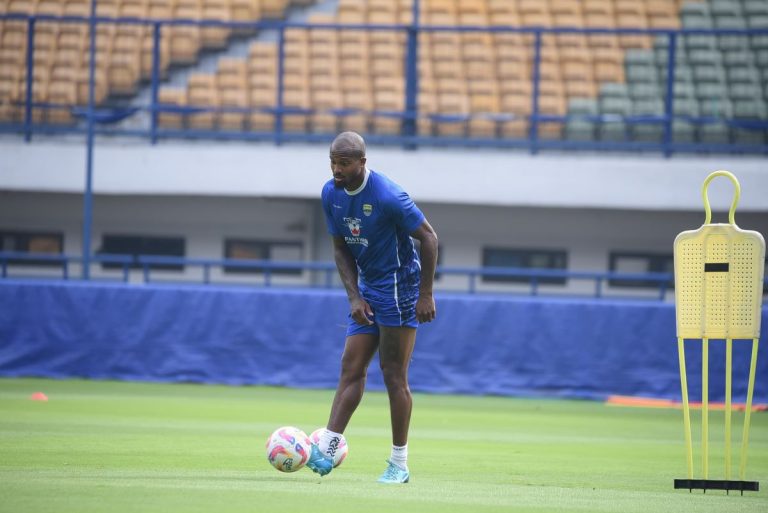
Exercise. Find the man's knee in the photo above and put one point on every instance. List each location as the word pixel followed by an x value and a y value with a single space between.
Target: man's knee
pixel 352 372
pixel 394 374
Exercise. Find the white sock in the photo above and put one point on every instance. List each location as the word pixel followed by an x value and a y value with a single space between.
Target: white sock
pixel 400 456
pixel 329 441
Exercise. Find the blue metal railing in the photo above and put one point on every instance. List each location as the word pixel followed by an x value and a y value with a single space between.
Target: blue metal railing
pixel 408 136
pixel 20 265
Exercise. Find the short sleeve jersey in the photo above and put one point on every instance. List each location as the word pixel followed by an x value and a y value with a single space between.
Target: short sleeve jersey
pixel 376 221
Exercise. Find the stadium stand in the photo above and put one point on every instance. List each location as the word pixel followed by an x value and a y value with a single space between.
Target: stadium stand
pixel 593 87
pixel 124 51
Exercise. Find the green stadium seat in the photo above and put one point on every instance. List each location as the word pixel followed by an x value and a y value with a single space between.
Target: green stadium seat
pixel 732 42
pixel 758 42
pixel 662 42
pixel 641 73
pixel 583 106
pixel 715 107
pixel 647 132
pixel 719 8
pixel 581 129
pixel 716 132
pixel 683 131
pixel 702 56
pixel 641 90
pixel 647 107
pixel 710 90
pixel 743 75
pixel 613 130
pixel 745 91
pixel 700 41
pixel 662 56
pixel 764 76
pixel 708 73
pixel 761 58
pixel 693 11
pixel 755 7
pixel 614 90
pixel 697 16
pixel 730 22
pixel 686 106
pixel 684 89
pixel 738 58
pixel 749 108
pixel 757 21
pixel 615 105
pixel 748 136
pixel 683 74
pixel 639 56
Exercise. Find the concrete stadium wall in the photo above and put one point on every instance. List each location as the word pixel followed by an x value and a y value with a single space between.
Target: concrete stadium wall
pixel 445 175
pixel 588 235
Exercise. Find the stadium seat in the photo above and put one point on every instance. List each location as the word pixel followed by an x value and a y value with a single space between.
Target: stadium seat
pixel 473 83
pixel 325 104
pixel 577 128
pixel 171 97
pixel 216 37
pixel 755 8
pixel 202 93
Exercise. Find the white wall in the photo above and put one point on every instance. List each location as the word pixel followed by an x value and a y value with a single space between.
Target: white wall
pixel 445 175
pixel 589 234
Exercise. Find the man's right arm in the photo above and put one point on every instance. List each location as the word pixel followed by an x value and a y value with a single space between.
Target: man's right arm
pixel 359 309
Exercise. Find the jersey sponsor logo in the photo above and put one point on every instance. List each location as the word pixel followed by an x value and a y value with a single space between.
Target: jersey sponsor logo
pixel 367 209
pixel 353 223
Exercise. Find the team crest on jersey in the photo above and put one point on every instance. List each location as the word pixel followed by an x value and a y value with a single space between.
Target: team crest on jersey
pixel 353 223
pixel 367 209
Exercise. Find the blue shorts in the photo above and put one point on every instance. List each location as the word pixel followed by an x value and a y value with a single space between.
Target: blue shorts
pixel 387 311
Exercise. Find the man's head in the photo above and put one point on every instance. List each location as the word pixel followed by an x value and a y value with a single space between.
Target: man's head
pixel 348 160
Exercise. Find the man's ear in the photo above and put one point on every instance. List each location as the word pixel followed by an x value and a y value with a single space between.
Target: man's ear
pixel 363 160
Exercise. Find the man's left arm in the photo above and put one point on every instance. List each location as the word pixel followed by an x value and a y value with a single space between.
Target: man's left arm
pixel 425 306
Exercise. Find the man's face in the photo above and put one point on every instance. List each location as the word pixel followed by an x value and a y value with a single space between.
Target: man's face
pixel 348 169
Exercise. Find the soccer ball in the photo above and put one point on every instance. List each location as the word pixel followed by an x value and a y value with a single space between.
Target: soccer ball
pixel 288 449
pixel 341 451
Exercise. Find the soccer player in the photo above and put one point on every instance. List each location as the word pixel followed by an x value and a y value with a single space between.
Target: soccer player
pixel 372 221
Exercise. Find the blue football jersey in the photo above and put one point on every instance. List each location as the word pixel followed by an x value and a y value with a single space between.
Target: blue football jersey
pixel 376 221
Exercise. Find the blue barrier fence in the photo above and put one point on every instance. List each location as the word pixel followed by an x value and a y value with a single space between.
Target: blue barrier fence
pixel 100 119
pixel 566 347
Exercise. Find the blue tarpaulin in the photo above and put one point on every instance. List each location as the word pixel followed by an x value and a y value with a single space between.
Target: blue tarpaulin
pixel 479 344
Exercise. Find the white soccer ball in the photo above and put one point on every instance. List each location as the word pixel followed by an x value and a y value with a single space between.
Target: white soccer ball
pixel 341 450
pixel 288 449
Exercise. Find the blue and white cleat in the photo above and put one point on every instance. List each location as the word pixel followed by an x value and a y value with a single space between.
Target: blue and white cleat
pixel 394 474
pixel 319 462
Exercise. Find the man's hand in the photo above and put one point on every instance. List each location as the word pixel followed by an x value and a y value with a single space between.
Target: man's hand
pixel 361 311
pixel 425 308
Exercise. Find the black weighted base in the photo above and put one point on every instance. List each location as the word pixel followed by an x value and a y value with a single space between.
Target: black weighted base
pixel 717 484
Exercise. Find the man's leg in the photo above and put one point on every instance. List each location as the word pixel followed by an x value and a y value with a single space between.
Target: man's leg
pixel 395 349
pixel 358 352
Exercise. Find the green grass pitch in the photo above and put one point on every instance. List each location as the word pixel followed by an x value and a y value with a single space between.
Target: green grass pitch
pixel 137 447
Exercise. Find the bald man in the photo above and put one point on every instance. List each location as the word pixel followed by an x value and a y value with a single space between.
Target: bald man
pixel 373 222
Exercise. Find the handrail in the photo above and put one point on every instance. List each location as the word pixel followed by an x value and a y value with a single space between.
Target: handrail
pixel 408 137
pixel 146 264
